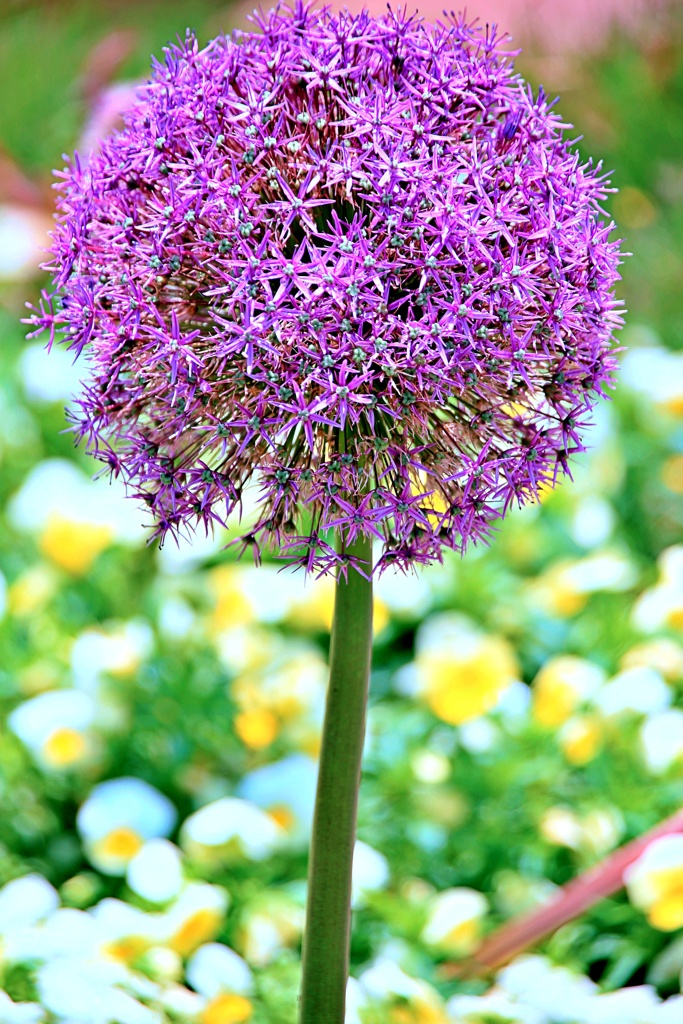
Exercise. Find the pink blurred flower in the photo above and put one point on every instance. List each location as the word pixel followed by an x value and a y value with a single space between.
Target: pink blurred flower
pixel 559 27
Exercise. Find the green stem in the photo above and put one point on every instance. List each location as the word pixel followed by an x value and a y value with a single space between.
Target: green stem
pixel 328 913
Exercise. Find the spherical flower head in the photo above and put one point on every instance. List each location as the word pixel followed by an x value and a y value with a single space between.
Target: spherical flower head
pixel 352 260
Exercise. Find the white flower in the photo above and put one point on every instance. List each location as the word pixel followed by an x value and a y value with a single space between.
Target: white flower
pixel 593 521
pixel 19 1013
pixel 270 924
pixel 23 240
pixel 25 901
pixel 58 488
pixel 640 690
pixel 116 819
pixel 554 991
pixel 230 826
pixel 454 921
pixel 124 932
pixel 54 726
pixel 406 596
pixel 195 918
pixel 385 980
pixel 50 376
pixel 78 990
pixel 117 651
pixel 356 1001
pixel 494 1006
pixel 215 968
pixel 65 932
pixel 662 605
pixel 370 872
pixel 655 882
pixel 661 738
pixel 155 872
pixel 286 790
pixel 635 1005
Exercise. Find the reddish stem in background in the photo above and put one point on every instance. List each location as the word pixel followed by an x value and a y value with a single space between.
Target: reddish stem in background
pixel 572 900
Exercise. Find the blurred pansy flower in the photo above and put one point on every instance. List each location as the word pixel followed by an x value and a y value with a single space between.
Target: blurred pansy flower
pixel 118 817
pixel 32 590
pixel 405 1000
pixel 63 932
pixel 19 1013
pixel 655 882
pixel 155 872
pixel 286 692
pixel 25 901
pixel 195 918
pixel 286 791
pixel 555 992
pixel 661 605
pixel 593 833
pixel 24 236
pixel 90 992
pixel 493 1007
pixel 661 739
pixel 74 518
pixel 459 671
pixel 562 685
pixel 225 979
pixel 272 922
pixel 454 921
pixel 661 653
pixel 563 589
pixel 640 691
pixel 48 376
pixel 581 738
pixel 230 828
pixel 118 650
pixel 125 932
pixel 656 373
pixel 370 872
pixel 55 726
pixel 215 968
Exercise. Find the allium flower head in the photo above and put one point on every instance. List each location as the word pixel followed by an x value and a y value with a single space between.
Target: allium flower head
pixel 352 260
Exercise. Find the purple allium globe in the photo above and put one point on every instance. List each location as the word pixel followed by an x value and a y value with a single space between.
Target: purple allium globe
pixel 351 260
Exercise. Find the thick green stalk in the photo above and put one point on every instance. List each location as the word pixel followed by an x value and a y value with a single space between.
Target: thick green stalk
pixel 328 913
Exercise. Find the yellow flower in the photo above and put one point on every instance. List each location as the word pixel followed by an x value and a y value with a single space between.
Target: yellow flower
pixel 655 883
pixel 581 739
pixel 257 728
pixel 672 473
pixel 233 607
pixel 72 545
pixel 562 684
pixel 199 927
pixel 31 591
pixel 228 1008
pixel 312 608
pixel 461 672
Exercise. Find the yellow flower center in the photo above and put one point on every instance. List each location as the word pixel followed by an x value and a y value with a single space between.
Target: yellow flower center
pixel 64 746
pixel 227 1009
pixel 257 728
pixel 122 843
pixel 200 927
pixel 282 816
pixel 74 546
pixel 127 950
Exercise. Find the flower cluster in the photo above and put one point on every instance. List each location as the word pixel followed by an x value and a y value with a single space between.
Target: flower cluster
pixel 351 259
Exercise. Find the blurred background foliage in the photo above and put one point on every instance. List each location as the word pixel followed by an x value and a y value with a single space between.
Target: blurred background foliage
pixel 527 702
